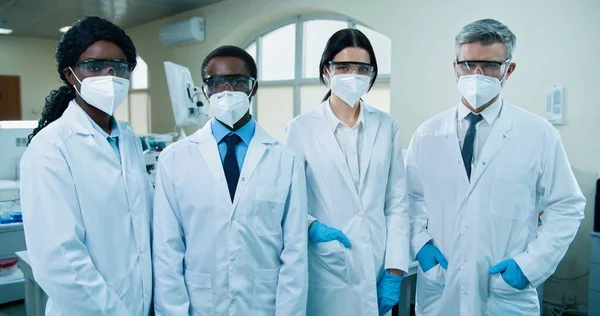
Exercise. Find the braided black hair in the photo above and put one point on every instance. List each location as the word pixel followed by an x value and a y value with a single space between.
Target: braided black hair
pixel 83 34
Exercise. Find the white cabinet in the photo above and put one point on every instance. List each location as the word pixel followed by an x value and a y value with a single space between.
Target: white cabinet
pixel 594 298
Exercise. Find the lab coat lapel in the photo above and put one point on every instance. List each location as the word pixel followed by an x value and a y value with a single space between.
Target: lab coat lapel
pixel 256 150
pixel 498 137
pixel 326 137
pixel 209 152
pixel 371 128
pixel 453 147
pixel 81 125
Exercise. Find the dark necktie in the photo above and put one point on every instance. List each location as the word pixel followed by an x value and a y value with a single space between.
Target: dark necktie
pixel 467 149
pixel 230 163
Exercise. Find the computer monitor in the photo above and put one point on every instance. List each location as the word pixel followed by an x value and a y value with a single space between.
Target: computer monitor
pixel 13 141
pixel 189 105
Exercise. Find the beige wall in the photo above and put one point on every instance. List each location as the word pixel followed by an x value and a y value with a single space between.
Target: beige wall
pixel 557 44
pixel 33 60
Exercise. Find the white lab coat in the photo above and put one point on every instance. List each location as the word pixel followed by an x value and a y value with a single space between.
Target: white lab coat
pixel 215 257
pixel 522 169
pixel 86 219
pixel 375 219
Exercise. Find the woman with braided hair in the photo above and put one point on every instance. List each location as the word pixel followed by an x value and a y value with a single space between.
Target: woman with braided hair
pixel 85 196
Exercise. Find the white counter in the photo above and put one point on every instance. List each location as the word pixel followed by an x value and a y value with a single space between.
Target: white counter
pixel 35 298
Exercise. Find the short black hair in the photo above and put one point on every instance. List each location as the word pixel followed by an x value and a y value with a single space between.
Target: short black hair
pixel 231 51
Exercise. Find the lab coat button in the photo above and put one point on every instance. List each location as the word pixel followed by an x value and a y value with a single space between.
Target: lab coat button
pixel 465 260
pixel 232 217
pixel 243 179
pixel 483 163
pixel 232 259
pixel 232 300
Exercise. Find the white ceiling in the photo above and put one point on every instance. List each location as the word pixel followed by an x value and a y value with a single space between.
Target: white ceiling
pixel 43 18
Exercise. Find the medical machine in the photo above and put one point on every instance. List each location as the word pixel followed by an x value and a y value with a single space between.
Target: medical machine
pixel 13 141
pixel 152 146
pixel 189 105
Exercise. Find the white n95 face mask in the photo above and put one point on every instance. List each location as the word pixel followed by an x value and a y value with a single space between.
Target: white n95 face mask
pixel 478 89
pixel 105 93
pixel 350 87
pixel 229 106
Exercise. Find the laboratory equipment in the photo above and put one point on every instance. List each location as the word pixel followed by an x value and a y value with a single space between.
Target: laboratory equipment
pixel 152 146
pixel 189 105
pixel 12 239
pixel 13 141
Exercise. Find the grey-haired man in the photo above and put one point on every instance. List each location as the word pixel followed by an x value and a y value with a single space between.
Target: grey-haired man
pixel 478 176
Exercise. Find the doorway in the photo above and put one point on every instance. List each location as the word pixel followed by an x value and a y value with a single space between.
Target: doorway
pixel 10 98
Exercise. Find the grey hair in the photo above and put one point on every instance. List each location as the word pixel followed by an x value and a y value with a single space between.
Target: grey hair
pixel 487 32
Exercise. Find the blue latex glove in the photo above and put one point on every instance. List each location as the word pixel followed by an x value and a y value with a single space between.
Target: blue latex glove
pixel 388 292
pixel 511 273
pixel 429 256
pixel 322 233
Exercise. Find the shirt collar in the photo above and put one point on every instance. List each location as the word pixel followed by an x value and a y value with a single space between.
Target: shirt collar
pixel 489 114
pixel 246 132
pixel 114 132
pixel 334 121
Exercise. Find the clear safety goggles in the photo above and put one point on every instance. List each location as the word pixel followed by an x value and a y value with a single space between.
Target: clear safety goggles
pixel 105 67
pixel 343 67
pixel 220 83
pixel 495 69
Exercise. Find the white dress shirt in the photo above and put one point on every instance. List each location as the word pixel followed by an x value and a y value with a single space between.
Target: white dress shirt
pixel 350 140
pixel 482 129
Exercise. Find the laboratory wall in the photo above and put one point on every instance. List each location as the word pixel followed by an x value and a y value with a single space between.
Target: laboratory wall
pixel 556 44
pixel 33 60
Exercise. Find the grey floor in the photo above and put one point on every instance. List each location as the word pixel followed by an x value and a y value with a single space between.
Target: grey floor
pixel 13 309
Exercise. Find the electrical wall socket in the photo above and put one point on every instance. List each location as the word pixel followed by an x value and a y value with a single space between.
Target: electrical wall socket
pixel 569 299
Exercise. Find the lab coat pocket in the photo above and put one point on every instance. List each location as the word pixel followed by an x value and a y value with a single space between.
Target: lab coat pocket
pixel 430 287
pixel 327 265
pixel 506 300
pixel 122 287
pixel 265 291
pixel 498 285
pixel 268 210
pixel 513 191
pixel 199 288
